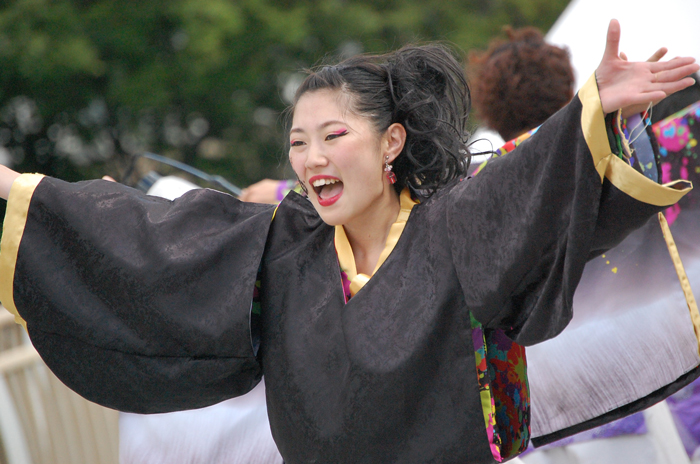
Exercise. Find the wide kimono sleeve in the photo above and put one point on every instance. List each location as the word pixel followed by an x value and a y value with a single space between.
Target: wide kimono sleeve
pixel 522 230
pixel 137 303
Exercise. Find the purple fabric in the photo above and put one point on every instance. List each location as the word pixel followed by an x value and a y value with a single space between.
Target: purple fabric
pixel 685 408
pixel 283 188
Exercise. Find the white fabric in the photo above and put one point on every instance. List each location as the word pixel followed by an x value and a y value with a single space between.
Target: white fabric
pixel 12 434
pixel 653 345
pixel 171 187
pixel 637 449
pixel 233 432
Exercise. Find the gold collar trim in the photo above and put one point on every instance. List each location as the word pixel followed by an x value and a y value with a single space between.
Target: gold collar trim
pixel 344 250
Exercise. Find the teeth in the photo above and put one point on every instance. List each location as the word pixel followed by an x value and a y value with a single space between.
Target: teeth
pixel 322 182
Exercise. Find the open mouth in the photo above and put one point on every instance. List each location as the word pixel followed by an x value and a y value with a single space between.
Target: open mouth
pixel 328 190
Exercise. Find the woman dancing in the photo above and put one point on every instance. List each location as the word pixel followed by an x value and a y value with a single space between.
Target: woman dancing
pixel 377 301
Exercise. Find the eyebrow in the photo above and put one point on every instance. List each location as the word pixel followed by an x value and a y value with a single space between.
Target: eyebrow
pixel 320 126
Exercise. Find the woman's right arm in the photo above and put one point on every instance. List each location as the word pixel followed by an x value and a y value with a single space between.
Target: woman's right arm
pixel 7 177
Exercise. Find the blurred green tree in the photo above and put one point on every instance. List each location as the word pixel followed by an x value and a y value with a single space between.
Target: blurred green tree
pixel 85 84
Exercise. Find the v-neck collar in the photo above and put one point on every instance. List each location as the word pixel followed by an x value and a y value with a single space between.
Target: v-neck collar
pixel 344 250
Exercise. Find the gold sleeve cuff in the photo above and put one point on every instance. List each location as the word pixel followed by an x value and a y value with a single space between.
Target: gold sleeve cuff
pixel 13 229
pixel 608 165
pixel 641 188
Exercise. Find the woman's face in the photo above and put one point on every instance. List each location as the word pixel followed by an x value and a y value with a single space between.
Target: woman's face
pixel 339 157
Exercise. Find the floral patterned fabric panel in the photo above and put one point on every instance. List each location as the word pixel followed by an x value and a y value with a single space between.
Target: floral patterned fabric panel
pixel 508 370
pixel 505 396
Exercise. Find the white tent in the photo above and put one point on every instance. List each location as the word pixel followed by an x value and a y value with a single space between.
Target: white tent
pixel 646 26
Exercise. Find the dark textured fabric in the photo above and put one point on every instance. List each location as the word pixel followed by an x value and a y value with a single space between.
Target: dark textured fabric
pixel 388 377
pixel 139 303
pixel 144 305
pixel 523 229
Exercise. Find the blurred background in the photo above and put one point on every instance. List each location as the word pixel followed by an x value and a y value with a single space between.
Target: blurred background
pixel 84 85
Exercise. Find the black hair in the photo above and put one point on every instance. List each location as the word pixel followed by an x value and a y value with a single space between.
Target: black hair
pixel 422 88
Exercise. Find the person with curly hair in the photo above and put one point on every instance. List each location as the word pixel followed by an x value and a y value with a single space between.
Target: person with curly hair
pixel 519 82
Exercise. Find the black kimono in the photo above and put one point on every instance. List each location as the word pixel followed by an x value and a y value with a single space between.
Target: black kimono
pixel 144 305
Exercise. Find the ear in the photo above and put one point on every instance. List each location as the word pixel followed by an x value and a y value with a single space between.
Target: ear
pixel 393 141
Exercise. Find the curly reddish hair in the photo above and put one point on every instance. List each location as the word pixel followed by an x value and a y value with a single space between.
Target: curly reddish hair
pixel 519 82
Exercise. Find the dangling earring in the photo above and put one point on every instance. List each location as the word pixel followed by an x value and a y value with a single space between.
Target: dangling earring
pixel 387 169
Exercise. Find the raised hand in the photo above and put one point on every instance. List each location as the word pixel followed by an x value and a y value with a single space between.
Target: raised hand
pixel 632 86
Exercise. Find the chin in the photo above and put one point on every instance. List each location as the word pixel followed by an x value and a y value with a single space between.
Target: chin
pixel 332 218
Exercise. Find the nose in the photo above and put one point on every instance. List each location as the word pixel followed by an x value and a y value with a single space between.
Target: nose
pixel 315 158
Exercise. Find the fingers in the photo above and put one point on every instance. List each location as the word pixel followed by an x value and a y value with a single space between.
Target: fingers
pixel 675 86
pixel 612 43
pixel 661 91
pixel 674 63
pixel 653 97
pixel 644 98
pixel 675 74
pixel 658 54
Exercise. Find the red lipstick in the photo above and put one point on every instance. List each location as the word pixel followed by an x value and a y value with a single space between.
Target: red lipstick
pixel 335 190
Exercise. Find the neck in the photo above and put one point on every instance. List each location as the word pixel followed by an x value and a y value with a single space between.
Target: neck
pixel 367 234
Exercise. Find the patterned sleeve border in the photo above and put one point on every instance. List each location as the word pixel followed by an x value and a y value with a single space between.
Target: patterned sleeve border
pixel 13 230
pixel 609 166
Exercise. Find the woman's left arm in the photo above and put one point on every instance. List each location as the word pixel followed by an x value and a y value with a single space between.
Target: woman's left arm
pixel 524 227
